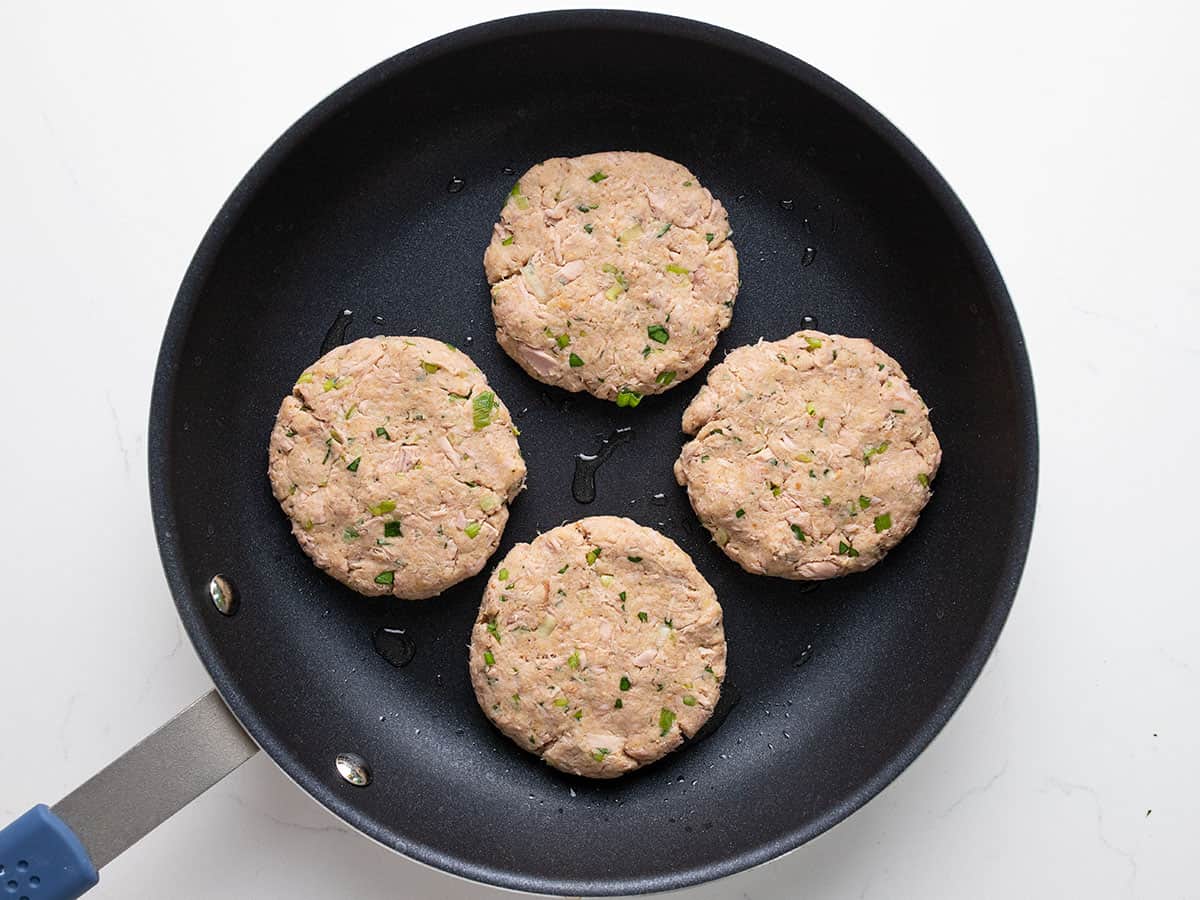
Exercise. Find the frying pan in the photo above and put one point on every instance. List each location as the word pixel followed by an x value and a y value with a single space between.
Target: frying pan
pixel 380 201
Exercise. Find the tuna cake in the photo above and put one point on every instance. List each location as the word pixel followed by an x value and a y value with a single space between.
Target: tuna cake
pixel 598 646
pixel 396 463
pixel 811 457
pixel 611 273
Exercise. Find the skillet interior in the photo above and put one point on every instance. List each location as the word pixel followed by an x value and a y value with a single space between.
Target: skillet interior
pixel 840 687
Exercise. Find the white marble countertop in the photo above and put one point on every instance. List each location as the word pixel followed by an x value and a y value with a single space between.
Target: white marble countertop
pixel 1069 130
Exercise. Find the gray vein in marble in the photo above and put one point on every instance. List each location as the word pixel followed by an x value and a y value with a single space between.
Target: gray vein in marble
pixel 1155 335
pixel 975 791
pixel 62 727
pixel 162 660
pixel 117 430
pixel 1069 789
pixel 335 827
pixel 1174 660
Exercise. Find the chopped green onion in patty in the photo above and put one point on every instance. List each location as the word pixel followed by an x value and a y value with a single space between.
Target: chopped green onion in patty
pixel 874 451
pixel 481 409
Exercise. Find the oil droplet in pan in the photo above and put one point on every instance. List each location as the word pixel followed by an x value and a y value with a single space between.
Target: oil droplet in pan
pixel 336 335
pixel 395 646
pixel 583 485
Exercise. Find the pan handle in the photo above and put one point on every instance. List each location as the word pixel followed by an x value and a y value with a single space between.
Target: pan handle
pixel 56 853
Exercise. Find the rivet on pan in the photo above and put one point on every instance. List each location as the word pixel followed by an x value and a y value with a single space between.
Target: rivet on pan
pixel 223 596
pixel 354 769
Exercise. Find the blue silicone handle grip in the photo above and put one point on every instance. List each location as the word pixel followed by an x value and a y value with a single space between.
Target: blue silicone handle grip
pixel 42 859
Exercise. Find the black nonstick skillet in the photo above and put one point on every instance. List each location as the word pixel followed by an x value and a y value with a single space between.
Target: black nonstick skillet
pixel 380 202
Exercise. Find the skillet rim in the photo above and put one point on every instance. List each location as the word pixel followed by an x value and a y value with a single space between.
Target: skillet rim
pixel 183 584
